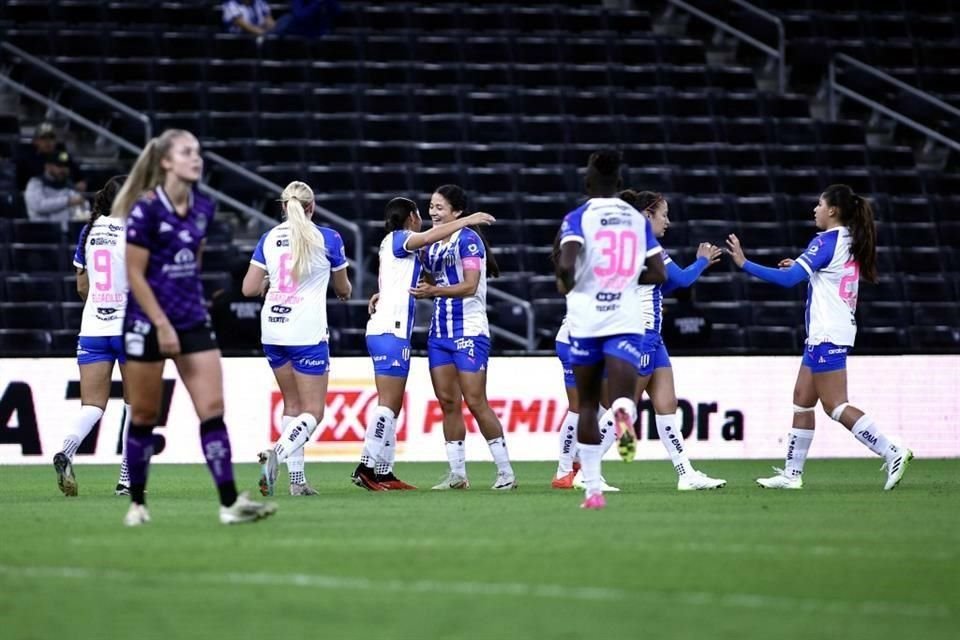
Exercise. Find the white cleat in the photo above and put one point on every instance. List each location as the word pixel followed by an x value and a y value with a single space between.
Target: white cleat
pixel 268 471
pixel 452 481
pixel 698 481
pixel 781 481
pixel 578 483
pixel 896 466
pixel 505 482
pixel 302 490
pixel 137 515
pixel 246 510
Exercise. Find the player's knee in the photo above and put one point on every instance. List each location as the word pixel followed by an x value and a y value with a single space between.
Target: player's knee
pixel 449 405
pixel 210 408
pixel 475 402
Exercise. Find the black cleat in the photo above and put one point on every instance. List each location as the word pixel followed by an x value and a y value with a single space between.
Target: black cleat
pixel 364 477
pixel 65 478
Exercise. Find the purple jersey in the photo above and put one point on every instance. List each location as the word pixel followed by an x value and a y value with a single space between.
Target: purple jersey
pixel 174 242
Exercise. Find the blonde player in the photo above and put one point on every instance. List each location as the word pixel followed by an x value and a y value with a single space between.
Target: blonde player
pixel 388 333
pixel 834 261
pixel 99 261
pixel 459 343
pixel 299 258
pixel 605 246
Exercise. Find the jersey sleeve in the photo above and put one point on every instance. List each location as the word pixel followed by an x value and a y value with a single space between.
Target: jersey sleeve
pixel 471 250
pixel 819 252
pixel 400 243
pixel 141 226
pixel 653 247
pixel 80 255
pixel 571 230
pixel 336 252
pixel 258 258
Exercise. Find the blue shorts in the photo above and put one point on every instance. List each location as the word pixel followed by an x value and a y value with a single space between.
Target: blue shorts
pixel 654 354
pixel 469 353
pixel 313 360
pixel 391 355
pixel 92 349
pixel 563 352
pixel 625 346
pixel 825 357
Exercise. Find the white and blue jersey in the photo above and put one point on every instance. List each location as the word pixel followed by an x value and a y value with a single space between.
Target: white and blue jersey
pixel 103 257
pixel 256 13
pixel 294 312
pixel 833 288
pixel 651 301
pixel 447 261
pixel 389 328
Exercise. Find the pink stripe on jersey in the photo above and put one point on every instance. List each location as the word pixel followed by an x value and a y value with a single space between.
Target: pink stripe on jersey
pixel 472 264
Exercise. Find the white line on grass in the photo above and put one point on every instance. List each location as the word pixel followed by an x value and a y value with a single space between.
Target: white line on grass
pixel 499 589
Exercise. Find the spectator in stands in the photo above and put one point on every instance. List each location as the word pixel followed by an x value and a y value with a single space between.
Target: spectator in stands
pixel 248 16
pixel 685 325
pixel 308 18
pixel 31 158
pixel 236 318
pixel 52 195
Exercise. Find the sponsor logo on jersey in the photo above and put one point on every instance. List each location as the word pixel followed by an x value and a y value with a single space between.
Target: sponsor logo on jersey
pixel 280 309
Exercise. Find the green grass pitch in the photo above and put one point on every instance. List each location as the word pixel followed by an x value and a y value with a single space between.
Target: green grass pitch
pixel 839 559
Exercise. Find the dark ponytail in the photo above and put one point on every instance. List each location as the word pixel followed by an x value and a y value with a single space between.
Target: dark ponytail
pixel 102 203
pixel 457 197
pixel 396 213
pixel 642 201
pixel 856 213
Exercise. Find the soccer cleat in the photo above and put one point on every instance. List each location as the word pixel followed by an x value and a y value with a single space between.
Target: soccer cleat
pixel 781 481
pixel 627 446
pixel 578 483
pixel 65 478
pixel 268 471
pixel 392 483
pixel 896 466
pixel 246 510
pixel 364 477
pixel 505 482
pixel 698 480
pixel 452 481
pixel 121 490
pixel 302 490
pixel 564 481
pixel 137 515
pixel 595 501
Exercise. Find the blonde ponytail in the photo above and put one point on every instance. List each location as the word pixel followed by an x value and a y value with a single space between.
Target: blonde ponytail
pixel 304 235
pixel 147 171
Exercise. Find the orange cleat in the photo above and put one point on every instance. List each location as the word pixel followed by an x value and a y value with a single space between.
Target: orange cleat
pixel 392 483
pixel 564 482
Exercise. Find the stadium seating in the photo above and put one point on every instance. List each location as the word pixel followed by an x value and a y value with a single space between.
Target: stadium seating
pixel 508 101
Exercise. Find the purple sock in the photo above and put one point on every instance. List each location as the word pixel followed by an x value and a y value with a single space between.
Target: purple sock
pixel 139 451
pixel 216 449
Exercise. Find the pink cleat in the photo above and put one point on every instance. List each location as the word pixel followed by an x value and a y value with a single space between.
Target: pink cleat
pixel 596 501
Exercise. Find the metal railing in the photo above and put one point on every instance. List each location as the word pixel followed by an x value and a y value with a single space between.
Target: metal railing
pixel 529 342
pixel 779 54
pixel 122 143
pixel 83 88
pixel 355 231
pixel 835 89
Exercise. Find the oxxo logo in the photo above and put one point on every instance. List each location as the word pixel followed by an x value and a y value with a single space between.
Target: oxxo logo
pixel 348 412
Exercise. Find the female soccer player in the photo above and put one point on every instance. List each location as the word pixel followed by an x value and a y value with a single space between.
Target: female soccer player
pixel 459 342
pixel 102 247
pixel 388 333
pixel 834 261
pixel 655 361
pixel 167 219
pixel 298 257
pixel 598 271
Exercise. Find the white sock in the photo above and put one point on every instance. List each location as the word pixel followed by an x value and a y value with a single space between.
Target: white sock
pixel 81 427
pixel 295 435
pixel 498 449
pixel 590 455
pixel 866 432
pixel 568 443
pixel 797 448
pixel 389 452
pixel 457 456
pixel 672 439
pixel 608 435
pixel 376 434
pixel 124 469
